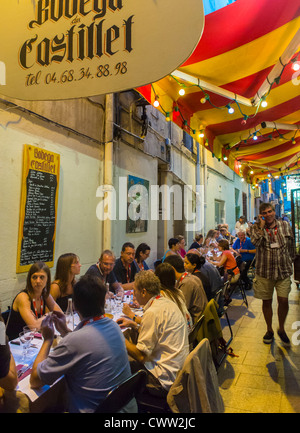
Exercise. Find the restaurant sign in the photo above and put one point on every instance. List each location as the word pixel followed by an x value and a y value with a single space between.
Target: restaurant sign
pixel 60 49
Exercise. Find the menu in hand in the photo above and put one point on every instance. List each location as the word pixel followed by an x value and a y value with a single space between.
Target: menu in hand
pixel 38 209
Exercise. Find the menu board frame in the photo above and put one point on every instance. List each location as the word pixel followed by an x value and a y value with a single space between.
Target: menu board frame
pixel 37 160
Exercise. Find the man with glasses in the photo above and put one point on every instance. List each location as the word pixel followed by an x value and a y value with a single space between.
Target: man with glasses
pixel 104 270
pixel 274 244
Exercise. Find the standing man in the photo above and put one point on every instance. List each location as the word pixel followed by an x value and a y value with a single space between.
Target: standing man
pixel 274 265
pixel 241 225
pixel 246 253
pixel 125 268
pixel 104 270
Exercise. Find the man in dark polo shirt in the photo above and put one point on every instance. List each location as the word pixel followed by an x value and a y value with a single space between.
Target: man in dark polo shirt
pixel 104 269
pixel 125 268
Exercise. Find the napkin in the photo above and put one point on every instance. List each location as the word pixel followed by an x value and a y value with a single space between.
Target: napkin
pixel 25 374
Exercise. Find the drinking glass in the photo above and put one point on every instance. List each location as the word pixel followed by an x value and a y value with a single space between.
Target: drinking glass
pixel 25 339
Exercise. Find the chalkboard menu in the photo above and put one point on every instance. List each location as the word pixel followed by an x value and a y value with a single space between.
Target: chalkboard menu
pixel 38 207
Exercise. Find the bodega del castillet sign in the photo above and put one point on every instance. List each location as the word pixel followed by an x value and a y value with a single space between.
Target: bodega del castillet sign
pixel 61 49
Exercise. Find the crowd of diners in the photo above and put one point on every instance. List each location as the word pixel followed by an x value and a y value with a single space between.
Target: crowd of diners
pixel 97 356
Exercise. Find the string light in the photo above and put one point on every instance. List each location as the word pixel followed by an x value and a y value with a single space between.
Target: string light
pixel 156 102
pixel 264 102
pixel 181 92
pixel 230 109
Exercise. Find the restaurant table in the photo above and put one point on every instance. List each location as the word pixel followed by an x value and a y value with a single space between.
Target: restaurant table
pixel 49 397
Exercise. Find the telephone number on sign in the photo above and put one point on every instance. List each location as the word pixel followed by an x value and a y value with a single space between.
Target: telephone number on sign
pixel 70 75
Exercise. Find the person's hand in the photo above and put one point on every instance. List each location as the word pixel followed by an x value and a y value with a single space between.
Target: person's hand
pixel 47 328
pixel 59 320
pixel 262 221
pixel 123 322
pixel 109 295
pixel 127 311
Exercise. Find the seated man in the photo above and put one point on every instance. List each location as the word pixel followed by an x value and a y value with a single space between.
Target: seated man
pixel 246 253
pixel 174 247
pixel 190 286
pixel 93 358
pixel 162 344
pixel 125 268
pixel 104 270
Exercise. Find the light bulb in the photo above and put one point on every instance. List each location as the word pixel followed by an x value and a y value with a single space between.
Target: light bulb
pixel 181 92
pixel 254 137
pixel 251 172
pixel 242 179
pixel 201 134
pixel 264 103
pixel 156 103
pixel 225 158
pixel 296 66
pixel 231 110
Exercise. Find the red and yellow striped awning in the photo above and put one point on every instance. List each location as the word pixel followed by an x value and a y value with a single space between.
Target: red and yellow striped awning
pixel 243 45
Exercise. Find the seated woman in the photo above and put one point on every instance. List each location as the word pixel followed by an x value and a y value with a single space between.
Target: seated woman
pixel 227 260
pixel 166 274
pixel 192 264
pixel 141 254
pixel 68 266
pixel 30 305
pixel 197 242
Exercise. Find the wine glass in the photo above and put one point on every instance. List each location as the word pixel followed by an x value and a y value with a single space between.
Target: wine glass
pixel 25 339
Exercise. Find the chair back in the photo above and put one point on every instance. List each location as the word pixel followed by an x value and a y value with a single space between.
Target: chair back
pixel 122 394
pixel 5 315
pixel 193 334
pixel 196 387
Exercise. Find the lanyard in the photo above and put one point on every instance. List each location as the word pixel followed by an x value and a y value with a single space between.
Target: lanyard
pixel 141 266
pixel 128 272
pixel 93 319
pixel 35 308
pixel 183 276
pixel 272 236
pixel 156 297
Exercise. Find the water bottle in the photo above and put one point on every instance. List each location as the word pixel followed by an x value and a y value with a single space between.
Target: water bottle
pixel 70 314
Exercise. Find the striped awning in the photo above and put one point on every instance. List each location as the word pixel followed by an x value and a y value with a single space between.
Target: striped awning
pixel 244 60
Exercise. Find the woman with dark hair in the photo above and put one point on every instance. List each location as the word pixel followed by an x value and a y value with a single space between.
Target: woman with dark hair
pixel 67 267
pixel 141 254
pixel 193 264
pixel 166 274
pixel 30 305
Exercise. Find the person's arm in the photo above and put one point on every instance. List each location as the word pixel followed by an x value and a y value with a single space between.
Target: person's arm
pixel 134 352
pixel 22 305
pixel 54 291
pixel 48 336
pixel 257 232
pixel 129 313
pixel 221 262
pixel 52 305
pixel 10 381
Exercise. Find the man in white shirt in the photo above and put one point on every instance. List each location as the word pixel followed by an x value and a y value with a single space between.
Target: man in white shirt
pixel 162 344
pixel 241 225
